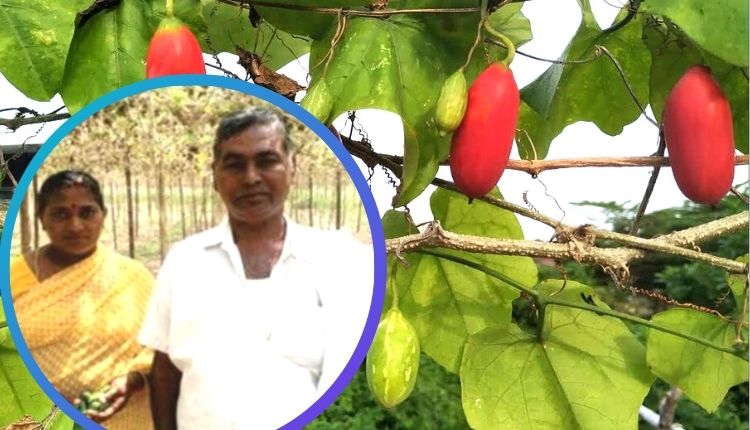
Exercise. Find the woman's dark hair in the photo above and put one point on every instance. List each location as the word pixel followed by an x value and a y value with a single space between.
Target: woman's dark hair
pixel 65 179
pixel 238 121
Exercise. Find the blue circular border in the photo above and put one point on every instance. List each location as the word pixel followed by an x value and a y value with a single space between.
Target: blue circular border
pixel 371 210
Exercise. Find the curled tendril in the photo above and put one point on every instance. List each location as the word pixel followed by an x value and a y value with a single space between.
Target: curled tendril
pixel 503 40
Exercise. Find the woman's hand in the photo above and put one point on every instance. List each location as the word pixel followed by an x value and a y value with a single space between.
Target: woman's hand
pixel 117 395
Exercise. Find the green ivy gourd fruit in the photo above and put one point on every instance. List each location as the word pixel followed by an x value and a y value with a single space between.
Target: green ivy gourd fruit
pixel 451 104
pixel 393 360
pixel 93 400
pixel 173 50
pixel 698 131
pixel 318 101
pixel 481 145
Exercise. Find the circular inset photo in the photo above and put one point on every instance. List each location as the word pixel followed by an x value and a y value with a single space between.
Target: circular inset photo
pixel 194 252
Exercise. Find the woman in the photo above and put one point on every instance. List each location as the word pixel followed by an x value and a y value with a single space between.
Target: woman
pixel 80 305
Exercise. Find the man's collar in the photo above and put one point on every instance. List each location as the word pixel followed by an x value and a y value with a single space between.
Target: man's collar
pixel 221 236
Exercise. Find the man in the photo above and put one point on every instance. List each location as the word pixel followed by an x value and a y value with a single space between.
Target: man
pixel 254 319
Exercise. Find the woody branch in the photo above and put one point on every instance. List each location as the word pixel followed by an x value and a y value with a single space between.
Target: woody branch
pixel 576 248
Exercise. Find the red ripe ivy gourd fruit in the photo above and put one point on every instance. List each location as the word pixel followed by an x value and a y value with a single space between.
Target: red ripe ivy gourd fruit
pixel 698 132
pixel 481 145
pixel 173 50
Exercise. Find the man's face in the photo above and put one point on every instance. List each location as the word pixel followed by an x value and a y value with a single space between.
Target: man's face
pixel 253 173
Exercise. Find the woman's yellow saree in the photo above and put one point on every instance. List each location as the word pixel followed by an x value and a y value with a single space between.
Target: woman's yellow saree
pixel 82 323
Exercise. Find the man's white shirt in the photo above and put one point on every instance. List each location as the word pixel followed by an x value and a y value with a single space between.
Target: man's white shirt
pixel 257 353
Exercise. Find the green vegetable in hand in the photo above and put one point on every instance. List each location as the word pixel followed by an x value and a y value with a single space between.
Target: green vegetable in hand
pixel 93 400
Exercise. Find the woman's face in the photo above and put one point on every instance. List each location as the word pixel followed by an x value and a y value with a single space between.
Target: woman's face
pixel 73 221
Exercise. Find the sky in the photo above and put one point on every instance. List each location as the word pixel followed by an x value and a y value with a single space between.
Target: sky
pixel 553 193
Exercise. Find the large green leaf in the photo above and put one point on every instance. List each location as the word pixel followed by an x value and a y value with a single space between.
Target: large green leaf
pixel 672 54
pixel 19 392
pixel 719 26
pixel 703 373
pixel 108 52
pixel 381 63
pixel 229 26
pixel 593 91
pixel 585 372
pixel 447 301
pixel 34 40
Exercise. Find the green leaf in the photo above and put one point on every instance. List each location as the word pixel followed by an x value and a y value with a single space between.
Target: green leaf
pixel 719 26
pixel 447 301
pixel 512 23
pixel 734 84
pixel 20 393
pixel 738 284
pixel 593 91
pixel 381 63
pixel 672 54
pixel 586 372
pixel 34 40
pixel 703 373
pixel 62 422
pixel 398 224
pixel 108 52
pixel 229 26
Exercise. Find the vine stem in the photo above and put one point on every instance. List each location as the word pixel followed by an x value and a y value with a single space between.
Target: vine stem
pixel 593 57
pixel 547 300
pixel 632 12
pixel 743 315
pixel 600 48
pixel 649 187
pixel 170 8
pixel 350 12
pixel 221 69
pixel 577 245
pixel 15 123
pixel 483 22
pixel 505 41
pixel 535 167
pixel 739 194
pixel 476 42
pixel 495 274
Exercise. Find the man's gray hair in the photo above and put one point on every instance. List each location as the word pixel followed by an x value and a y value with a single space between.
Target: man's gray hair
pixel 238 121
